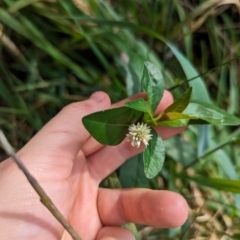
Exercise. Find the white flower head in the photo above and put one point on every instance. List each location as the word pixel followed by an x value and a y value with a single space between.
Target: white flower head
pixel 139 133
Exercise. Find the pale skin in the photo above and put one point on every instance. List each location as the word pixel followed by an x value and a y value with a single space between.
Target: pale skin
pixel 69 165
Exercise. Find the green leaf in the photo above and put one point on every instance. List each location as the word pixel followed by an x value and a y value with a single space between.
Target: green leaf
pixel 174 119
pixel 18 5
pixel 15 111
pixel 26 28
pixel 200 92
pixel 211 114
pixel 197 122
pixel 173 123
pixel 227 185
pixel 132 79
pixel 131 173
pixel 140 105
pixel 109 127
pixel 174 116
pixel 152 83
pixel 235 236
pixel 154 155
pixel 181 103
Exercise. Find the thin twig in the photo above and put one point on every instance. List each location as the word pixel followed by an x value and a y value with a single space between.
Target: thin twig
pixel 46 201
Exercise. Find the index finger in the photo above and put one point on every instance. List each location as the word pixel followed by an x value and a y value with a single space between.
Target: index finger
pixel 64 135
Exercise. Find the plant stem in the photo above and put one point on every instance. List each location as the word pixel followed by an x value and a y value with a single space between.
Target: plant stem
pixel 46 201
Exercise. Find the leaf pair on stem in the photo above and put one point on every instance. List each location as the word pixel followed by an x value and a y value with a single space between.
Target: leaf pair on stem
pixel 110 127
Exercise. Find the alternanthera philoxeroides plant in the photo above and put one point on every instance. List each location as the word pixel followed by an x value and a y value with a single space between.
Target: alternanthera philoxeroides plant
pixel 135 120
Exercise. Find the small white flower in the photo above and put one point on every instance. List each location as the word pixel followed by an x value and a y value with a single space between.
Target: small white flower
pixel 139 133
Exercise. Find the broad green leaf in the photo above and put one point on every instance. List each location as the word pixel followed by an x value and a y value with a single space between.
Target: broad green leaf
pixel 211 114
pixel 154 155
pixel 181 103
pixel 227 185
pixel 109 127
pixel 152 83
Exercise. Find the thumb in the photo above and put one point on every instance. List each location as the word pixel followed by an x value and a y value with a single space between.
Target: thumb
pixel 64 135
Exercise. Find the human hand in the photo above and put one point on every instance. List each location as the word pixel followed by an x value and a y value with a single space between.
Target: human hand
pixel 69 165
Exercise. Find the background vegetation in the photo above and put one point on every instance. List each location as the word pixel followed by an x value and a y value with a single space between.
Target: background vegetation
pixel 55 52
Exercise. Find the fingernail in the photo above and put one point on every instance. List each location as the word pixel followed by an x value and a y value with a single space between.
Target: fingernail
pixel 97 96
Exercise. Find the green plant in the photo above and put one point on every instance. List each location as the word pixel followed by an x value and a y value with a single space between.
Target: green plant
pixel 62 51
pixel 137 115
